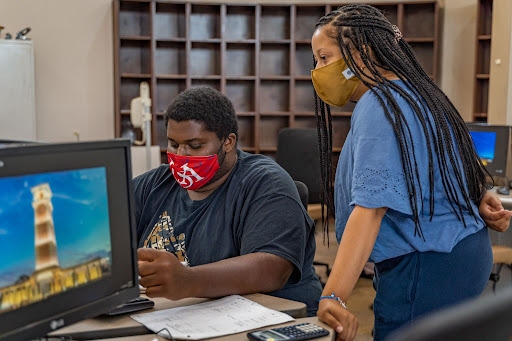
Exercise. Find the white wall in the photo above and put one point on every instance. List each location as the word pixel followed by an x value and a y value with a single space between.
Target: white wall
pixel 509 105
pixel 73 64
pixel 458 48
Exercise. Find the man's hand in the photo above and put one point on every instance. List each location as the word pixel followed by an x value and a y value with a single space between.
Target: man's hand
pixel 492 212
pixel 338 318
pixel 162 274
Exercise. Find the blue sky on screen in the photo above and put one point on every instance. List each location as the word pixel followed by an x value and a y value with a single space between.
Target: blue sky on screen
pixel 485 143
pixel 80 217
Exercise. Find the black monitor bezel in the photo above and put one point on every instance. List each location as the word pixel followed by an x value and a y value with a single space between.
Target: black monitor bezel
pixel 499 168
pixel 55 312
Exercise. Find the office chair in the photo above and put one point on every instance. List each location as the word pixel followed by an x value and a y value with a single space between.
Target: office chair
pixel 303 194
pixel 501 255
pixel 297 153
pixel 484 318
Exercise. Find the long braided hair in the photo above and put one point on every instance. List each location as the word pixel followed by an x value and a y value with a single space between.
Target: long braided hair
pixel 379 43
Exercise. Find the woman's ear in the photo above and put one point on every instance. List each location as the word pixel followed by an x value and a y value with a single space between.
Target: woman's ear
pixel 357 58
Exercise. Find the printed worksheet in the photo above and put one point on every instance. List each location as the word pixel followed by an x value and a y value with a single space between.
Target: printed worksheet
pixel 228 315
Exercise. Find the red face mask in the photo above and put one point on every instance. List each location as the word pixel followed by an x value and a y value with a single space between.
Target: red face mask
pixel 193 172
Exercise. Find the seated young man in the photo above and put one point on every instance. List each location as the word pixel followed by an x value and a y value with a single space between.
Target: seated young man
pixel 217 221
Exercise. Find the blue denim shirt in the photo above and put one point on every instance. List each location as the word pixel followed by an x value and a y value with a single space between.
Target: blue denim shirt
pixel 370 175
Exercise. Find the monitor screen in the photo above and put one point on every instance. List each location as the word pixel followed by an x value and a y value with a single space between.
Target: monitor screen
pixel 491 144
pixel 485 144
pixel 66 234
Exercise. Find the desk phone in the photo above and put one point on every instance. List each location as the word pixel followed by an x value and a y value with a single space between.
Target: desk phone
pixel 303 331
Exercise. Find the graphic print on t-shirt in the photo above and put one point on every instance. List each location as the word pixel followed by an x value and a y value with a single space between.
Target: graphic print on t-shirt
pixel 162 238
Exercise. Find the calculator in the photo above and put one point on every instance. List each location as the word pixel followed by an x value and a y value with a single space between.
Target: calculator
pixel 303 331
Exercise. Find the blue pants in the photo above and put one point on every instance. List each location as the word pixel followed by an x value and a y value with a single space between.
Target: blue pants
pixel 412 285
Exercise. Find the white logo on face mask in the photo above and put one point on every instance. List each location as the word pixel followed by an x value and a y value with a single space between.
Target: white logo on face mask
pixel 187 178
pixel 348 73
pixel 171 163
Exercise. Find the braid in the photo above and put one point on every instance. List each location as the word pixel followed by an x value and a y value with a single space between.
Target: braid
pixel 324 124
pixel 366 29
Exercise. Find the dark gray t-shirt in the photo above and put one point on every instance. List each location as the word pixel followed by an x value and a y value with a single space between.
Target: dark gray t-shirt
pixel 257 209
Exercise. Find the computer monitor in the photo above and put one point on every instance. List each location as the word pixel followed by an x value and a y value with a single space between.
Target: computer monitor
pixel 491 143
pixel 485 318
pixel 67 234
pixel 11 143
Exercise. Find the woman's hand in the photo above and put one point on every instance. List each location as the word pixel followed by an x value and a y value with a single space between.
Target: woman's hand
pixel 338 318
pixel 492 212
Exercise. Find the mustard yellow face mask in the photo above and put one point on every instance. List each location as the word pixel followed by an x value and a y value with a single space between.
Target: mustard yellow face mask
pixel 335 83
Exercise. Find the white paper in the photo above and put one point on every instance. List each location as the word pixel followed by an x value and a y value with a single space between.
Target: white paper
pixel 228 315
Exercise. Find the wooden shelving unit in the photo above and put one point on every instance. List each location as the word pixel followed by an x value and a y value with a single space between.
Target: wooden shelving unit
pixel 258 55
pixel 483 60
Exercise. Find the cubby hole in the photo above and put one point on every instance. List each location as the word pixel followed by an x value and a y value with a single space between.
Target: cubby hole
pixel 240 23
pixel 134 57
pixel 306 19
pixel 270 154
pixel 204 22
pixel 128 130
pixel 275 23
pixel 269 129
pixel 205 59
pixel 169 21
pixel 213 83
pixel 482 96
pixel 134 19
pixel 303 60
pixel 166 91
pixel 390 12
pixel 334 163
pixel 129 89
pixel 304 96
pixel 305 122
pixel 340 129
pixel 419 20
pixel 161 132
pixel 170 58
pixel 274 96
pixel 240 59
pixel 424 52
pixel 275 60
pixel 485 17
pixel 483 58
pixel 246 132
pixel 241 93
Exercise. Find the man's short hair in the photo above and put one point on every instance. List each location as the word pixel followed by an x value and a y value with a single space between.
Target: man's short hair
pixel 207 106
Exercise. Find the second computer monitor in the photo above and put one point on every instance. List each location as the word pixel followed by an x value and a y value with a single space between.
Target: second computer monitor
pixel 491 143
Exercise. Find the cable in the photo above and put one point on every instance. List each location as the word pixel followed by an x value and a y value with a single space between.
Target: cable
pixel 168 332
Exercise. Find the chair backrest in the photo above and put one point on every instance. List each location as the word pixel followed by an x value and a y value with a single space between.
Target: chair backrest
pixel 486 318
pixel 297 153
pixel 303 193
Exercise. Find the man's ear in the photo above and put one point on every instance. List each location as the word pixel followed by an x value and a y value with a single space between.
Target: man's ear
pixel 230 143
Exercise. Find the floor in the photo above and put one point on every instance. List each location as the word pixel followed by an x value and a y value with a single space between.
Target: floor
pixel 363 294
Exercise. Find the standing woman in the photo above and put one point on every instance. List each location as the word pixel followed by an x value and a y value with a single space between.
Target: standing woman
pixel 408 182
